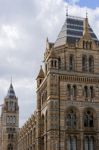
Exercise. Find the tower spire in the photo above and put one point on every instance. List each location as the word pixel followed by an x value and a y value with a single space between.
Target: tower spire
pixel 86 26
pixel 11 79
pixel 86 14
pixel 66 11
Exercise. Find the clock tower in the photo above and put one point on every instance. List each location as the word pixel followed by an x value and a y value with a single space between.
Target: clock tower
pixel 10 120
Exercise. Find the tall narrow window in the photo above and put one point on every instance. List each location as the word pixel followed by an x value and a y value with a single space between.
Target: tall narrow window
pixel 10 147
pixel 91 64
pixel 71 63
pixel 71 143
pixel 71 119
pixel 69 91
pixel 89 143
pixel 86 92
pixel 42 128
pixel 88 119
pixel 74 92
pixel 86 141
pixel 84 63
pixel 59 63
pixel 91 92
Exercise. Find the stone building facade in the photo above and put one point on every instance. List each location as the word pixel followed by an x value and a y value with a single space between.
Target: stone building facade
pixel 9 122
pixel 67 114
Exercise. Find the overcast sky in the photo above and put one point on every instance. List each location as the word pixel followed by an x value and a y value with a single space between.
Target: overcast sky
pixel 24 27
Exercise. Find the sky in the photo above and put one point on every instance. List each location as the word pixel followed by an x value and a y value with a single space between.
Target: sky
pixel 24 27
pixel 85 3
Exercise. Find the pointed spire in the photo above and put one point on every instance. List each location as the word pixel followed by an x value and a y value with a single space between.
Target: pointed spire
pixel 86 14
pixel 86 27
pixel 66 11
pixel 47 39
pixel 41 73
pixel 11 92
pixel 47 43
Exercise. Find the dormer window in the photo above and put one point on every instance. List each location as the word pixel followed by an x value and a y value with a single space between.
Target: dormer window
pixel 87 44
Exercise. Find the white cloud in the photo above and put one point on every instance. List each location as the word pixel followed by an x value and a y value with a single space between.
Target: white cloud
pixel 24 26
pixel 8 36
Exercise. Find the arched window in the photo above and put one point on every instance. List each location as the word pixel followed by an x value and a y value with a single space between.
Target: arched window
pixel 86 92
pixel 69 91
pixel 91 92
pixel 42 124
pixel 87 45
pixel 10 147
pixel 71 62
pixel 90 45
pixel 89 143
pixel 59 63
pixel 42 143
pixel 43 96
pixel 46 121
pixel 74 92
pixel 72 143
pixel 52 63
pixel 86 141
pixel 88 119
pixel 91 64
pixel 71 119
pixel 55 62
pixel 84 63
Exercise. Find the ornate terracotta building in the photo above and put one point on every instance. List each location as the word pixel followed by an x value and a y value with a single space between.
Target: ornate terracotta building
pixel 9 122
pixel 67 114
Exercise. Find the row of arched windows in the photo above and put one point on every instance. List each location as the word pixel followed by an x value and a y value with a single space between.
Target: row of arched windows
pixel 72 91
pixel 27 140
pixel 88 92
pixel 87 63
pixel 72 119
pixel 88 143
pixel 11 106
pixel 87 44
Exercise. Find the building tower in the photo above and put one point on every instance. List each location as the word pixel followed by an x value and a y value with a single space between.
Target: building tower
pixel 68 93
pixel 10 121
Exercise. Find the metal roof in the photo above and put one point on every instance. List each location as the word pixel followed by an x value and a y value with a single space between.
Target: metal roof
pixel 11 93
pixel 72 31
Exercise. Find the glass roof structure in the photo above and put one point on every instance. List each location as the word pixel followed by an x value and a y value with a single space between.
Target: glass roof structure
pixel 72 31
